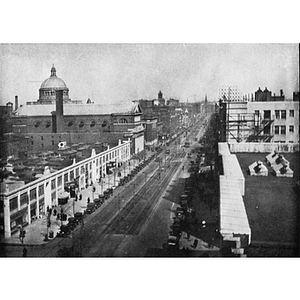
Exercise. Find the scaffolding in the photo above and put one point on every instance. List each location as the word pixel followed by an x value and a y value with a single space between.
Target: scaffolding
pixel 248 127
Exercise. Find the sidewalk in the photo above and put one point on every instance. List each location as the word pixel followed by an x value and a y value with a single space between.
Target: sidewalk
pixel 37 230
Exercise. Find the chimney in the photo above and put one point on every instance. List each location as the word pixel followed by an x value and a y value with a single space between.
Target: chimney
pixel 59 111
pixel 16 103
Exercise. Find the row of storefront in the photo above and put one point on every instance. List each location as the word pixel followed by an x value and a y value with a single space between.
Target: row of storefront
pixel 24 205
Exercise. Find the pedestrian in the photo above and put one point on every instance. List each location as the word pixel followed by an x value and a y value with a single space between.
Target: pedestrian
pixel 54 212
pixel 24 252
pixel 188 235
pixel 57 218
pixel 182 168
pixel 88 200
pixel 50 211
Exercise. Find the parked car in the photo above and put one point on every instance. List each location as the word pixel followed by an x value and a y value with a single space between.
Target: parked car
pixel 78 216
pixel 172 243
pixel 90 208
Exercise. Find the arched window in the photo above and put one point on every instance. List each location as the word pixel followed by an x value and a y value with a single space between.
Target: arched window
pixel 93 123
pixel 123 121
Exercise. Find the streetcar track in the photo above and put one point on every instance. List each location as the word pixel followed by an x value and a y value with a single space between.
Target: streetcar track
pixel 94 231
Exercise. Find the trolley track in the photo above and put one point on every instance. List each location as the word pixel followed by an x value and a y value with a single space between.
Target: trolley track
pixel 120 221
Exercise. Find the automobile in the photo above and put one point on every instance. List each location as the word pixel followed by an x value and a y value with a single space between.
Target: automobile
pixel 97 202
pixel 64 231
pixel 167 151
pixel 180 215
pixel 78 216
pixel 72 223
pixel 102 198
pixel 177 220
pixel 106 194
pixel 173 242
pixel 184 200
pixel 181 210
pixel 90 208
pixel 175 233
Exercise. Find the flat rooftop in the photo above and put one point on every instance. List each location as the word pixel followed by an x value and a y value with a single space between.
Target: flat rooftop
pixel 271 203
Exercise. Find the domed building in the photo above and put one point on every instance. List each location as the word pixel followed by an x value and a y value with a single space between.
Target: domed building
pixel 47 91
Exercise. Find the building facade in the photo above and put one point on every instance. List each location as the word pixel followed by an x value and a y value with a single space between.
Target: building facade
pixel 28 202
pixel 55 118
pixel 266 119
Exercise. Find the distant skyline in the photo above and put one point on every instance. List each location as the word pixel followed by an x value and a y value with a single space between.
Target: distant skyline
pixel 125 72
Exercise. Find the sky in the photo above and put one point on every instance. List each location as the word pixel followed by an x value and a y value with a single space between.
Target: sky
pixel 126 72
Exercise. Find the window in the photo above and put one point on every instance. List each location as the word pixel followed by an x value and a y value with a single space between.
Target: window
pixel 48 124
pixel 66 177
pixel 82 170
pixel 104 124
pixel 23 199
pixel 32 194
pixel 59 181
pixel 53 185
pixel 93 123
pixel 81 124
pixel 291 113
pixel 13 203
pixel 70 124
pixel 283 114
pixel 123 120
pixel 52 143
pixel 276 129
pixel 37 124
pixel 42 138
pixel 291 128
pixel 267 114
pixel 266 130
pixel 277 114
pixel 283 130
pixel 41 190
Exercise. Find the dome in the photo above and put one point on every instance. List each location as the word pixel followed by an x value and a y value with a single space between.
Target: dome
pixel 47 91
pixel 53 81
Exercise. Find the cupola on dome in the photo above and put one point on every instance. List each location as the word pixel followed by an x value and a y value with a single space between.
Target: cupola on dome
pixel 53 81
